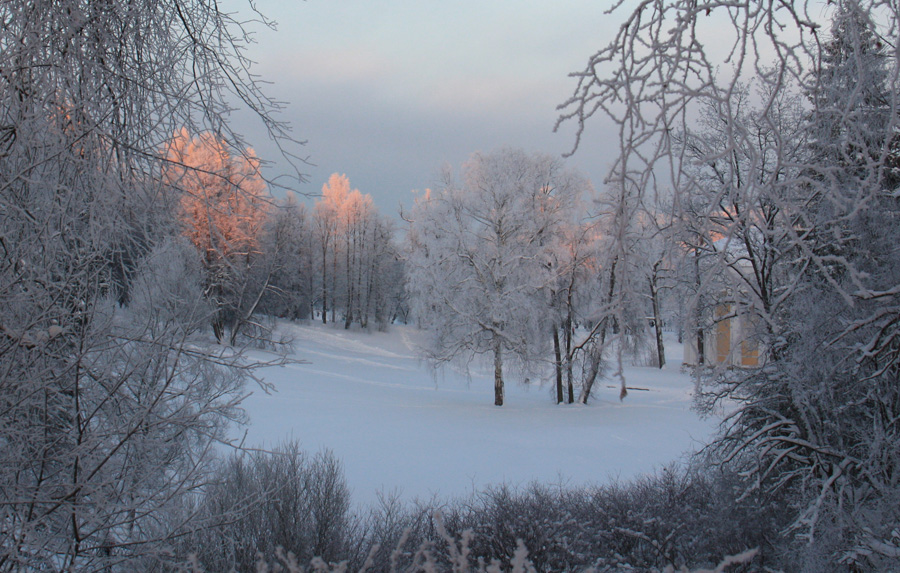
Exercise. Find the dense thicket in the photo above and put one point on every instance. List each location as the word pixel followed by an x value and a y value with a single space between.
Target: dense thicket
pixel 108 402
pixel 264 503
pixel 289 509
pixel 785 195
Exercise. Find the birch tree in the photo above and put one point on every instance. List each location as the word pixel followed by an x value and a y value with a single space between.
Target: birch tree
pixel 327 222
pixel 357 255
pixel 224 205
pixel 478 252
pixel 290 249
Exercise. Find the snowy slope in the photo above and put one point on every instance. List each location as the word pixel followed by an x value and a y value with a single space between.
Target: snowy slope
pixel 366 397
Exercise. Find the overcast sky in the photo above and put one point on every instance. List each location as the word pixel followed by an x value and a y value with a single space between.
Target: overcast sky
pixel 389 91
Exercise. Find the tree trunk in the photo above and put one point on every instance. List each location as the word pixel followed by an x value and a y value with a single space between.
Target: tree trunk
pixel 333 280
pixel 657 320
pixel 371 270
pixel 498 372
pixel 559 375
pixel 700 357
pixel 609 296
pixel 218 326
pixel 241 319
pixel 596 355
pixel 699 318
pixel 348 307
pixel 310 288
pixel 324 281
pixel 569 357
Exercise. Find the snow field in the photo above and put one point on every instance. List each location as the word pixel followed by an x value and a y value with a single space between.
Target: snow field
pixel 397 428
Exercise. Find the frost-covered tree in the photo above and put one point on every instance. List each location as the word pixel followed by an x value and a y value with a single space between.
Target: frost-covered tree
pixel 357 258
pixel 357 222
pixel 478 259
pixel 385 295
pixel 815 424
pixel 110 399
pixel 327 223
pixel 290 251
pixel 625 259
pixel 223 207
pixel 572 256
pixel 740 174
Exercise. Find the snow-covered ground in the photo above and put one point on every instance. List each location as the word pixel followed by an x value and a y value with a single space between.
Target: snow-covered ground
pixel 367 398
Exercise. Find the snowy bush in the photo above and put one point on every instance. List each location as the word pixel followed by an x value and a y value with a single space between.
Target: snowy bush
pixel 291 511
pixel 262 501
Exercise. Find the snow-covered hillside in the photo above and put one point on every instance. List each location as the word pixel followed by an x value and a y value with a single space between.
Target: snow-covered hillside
pixel 367 397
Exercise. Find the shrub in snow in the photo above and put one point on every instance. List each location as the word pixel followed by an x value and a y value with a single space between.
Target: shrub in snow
pixel 263 501
pixel 287 511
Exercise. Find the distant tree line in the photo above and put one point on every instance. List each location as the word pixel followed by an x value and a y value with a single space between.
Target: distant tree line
pixel 261 256
pixel 338 262
pixel 358 273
